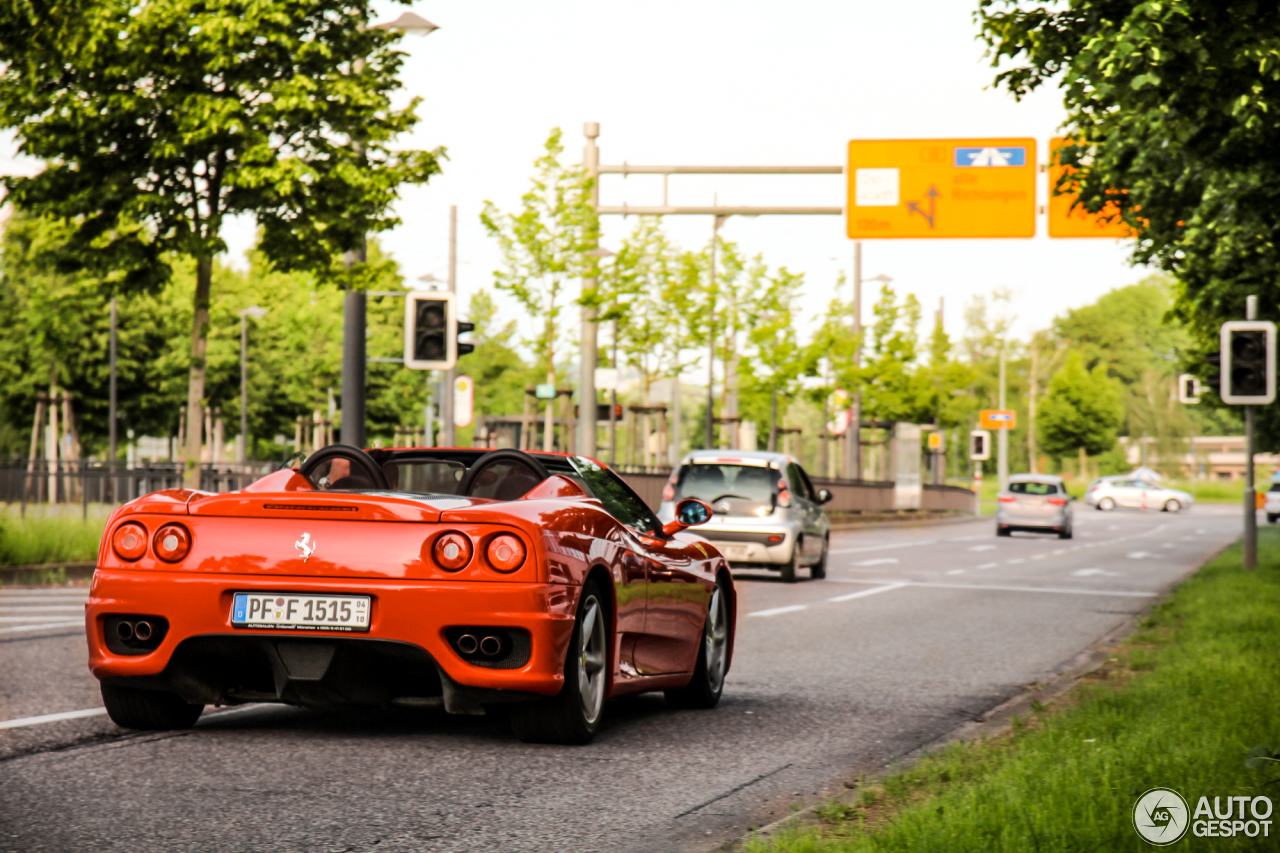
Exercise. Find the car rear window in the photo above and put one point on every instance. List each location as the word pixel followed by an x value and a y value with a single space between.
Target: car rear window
pixel 712 482
pixel 1034 488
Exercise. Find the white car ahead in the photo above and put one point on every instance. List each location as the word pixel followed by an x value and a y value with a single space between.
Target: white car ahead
pixel 1108 493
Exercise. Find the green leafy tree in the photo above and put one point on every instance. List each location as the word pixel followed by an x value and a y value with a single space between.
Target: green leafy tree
pixel 775 357
pixel 545 244
pixel 1173 109
pixel 1081 412
pixel 158 121
pixel 499 373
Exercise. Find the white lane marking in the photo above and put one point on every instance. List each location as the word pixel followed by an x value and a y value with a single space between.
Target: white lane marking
pixel 51 718
pixel 1036 589
pixel 1059 552
pixel 1169 545
pixel 880 562
pixel 1138 555
pixel 77 624
pixel 1088 573
pixel 774 611
pixel 987 566
pixel 983 548
pixel 969 538
pixel 956 572
pixel 63 608
pixel 883 547
pixel 1039 556
pixel 873 591
pixel 1019 560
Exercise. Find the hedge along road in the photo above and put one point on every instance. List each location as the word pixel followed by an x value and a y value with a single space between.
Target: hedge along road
pixel 913 633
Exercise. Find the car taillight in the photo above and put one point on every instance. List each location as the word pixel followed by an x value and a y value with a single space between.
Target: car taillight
pixel 669 493
pixel 452 551
pixel 172 542
pixel 1006 499
pixel 129 541
pixel 1058 501
pixel 784 498
pixel 506 553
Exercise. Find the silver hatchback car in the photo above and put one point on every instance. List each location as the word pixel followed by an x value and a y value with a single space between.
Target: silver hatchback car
pixel 767 515
pixel 1035 502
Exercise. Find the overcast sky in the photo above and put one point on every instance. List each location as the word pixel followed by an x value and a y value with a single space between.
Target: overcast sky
pixel 703 82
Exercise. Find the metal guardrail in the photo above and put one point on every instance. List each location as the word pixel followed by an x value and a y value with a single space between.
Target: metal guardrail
pixel 93 482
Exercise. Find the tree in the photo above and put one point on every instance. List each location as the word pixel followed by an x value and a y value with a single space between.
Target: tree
pixel 158 121
pixel 1081 412
pixel 544 246
pixel 1175 112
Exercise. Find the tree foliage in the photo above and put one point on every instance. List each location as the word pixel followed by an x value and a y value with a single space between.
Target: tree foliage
pixel 1081 411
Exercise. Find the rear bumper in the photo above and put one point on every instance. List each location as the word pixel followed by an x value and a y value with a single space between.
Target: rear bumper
pixel 1033 520
pixel 743 546
pixel 201 654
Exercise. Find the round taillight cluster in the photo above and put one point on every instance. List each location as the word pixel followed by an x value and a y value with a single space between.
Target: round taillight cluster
pixel 505 552
pixel 129 541
pixel 452 551
pixel 172 543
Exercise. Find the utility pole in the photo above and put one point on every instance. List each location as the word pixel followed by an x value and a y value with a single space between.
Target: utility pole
pixel 1250 447
pixel 1002 439
pixel 447 429
pixel 588 353
pixel 711 334
pixel 111 407
pixel 1031 406
pixel 853 454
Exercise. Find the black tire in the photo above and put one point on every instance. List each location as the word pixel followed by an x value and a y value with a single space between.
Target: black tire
pixel 790 570
pixel 1003 531
pixel 704 688
pixel 1172 505
pixel 564 718
pixel 818 570
pixel 1271 518
pixel 1065 534
pixel 1106 505
pixel 150 710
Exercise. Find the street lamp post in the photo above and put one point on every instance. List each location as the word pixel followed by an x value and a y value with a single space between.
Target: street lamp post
pixel 354 306
pixel 242 443
pixel 853 456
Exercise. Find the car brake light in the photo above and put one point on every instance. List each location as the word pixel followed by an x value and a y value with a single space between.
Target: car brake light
pixel 506 553
pixel 129 541
pixel 774 540
pixel 1006 499
pixel 1058 501
pixel 452 551
pixel 172 542
pixel 669 493
pixel 784 498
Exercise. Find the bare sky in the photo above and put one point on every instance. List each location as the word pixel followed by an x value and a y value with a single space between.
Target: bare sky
pixel 712 82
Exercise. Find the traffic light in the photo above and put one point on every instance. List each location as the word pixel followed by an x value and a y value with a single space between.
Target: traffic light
pixel 1188 389
pixel 431 330
pixel 979 445
pixel 463 328
pixel 1248 362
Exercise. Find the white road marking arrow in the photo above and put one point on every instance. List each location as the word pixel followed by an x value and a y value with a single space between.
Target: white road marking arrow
pixel 1088 573
pixel 879 562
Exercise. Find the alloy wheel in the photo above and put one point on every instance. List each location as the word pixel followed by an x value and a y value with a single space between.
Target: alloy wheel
pixel 592 657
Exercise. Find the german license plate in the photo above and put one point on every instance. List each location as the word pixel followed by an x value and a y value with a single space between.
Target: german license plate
pixel 735 552
pixel 294 612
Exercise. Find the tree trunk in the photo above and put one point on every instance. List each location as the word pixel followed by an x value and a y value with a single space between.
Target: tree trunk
pixel 195 381
pixel 1084 462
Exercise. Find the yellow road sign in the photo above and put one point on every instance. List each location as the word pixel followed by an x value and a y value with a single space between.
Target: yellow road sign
pixel 935 441
pixel 1065 222
pixel 920 188
pixel 998 419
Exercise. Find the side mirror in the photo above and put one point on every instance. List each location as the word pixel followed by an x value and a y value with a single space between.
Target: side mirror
pixel 690 512
pixel 824 496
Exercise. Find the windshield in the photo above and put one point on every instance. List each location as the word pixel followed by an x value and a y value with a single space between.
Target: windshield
pixel 732 489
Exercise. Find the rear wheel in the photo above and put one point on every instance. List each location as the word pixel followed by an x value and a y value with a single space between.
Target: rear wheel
pixel 1172 505
pixel 703 690
pixel 818 570
pixel 1271 518
pixel 148 709
pixel 1065 533
pixel 1001 530
pixel 793 566
pixel 573 716
pixel 1106 504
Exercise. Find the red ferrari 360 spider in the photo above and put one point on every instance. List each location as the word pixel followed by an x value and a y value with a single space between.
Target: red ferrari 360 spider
pixel 417 577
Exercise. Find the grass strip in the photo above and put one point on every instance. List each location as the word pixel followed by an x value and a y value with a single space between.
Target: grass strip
pixel 1180 704
pixel 58 539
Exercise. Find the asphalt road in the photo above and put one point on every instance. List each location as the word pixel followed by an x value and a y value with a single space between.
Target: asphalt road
pixel 913 633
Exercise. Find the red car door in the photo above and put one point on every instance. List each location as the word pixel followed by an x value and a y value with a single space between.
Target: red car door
pixel 677 606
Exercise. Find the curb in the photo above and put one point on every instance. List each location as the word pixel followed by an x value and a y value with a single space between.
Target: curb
pixel 897 521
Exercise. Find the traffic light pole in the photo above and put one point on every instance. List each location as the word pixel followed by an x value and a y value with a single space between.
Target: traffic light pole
pixel 448 435
pixel 1250 548
pixel 1002 438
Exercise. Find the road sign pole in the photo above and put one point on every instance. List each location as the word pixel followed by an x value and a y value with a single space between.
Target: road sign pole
pixel 1002 439
pixel 588 352
pixel 1250 495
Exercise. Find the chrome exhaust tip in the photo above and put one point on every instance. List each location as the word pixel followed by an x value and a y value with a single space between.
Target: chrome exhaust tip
pixel 468 644
pixel 142 631
pixel 491 646
pixel 124 630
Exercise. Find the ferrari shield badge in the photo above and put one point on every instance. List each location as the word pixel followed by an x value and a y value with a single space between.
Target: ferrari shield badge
pixel 305 546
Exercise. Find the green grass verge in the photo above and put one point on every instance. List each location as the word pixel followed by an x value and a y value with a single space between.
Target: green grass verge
pixel 1179 705
pixel 58 539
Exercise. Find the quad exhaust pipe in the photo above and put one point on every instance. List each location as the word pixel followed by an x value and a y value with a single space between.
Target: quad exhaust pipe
pixel 489 645
pixel 142 630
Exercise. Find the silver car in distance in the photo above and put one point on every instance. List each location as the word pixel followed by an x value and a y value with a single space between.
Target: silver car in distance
pixel 767 515
pixel 1107 493
pixel 1034 502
